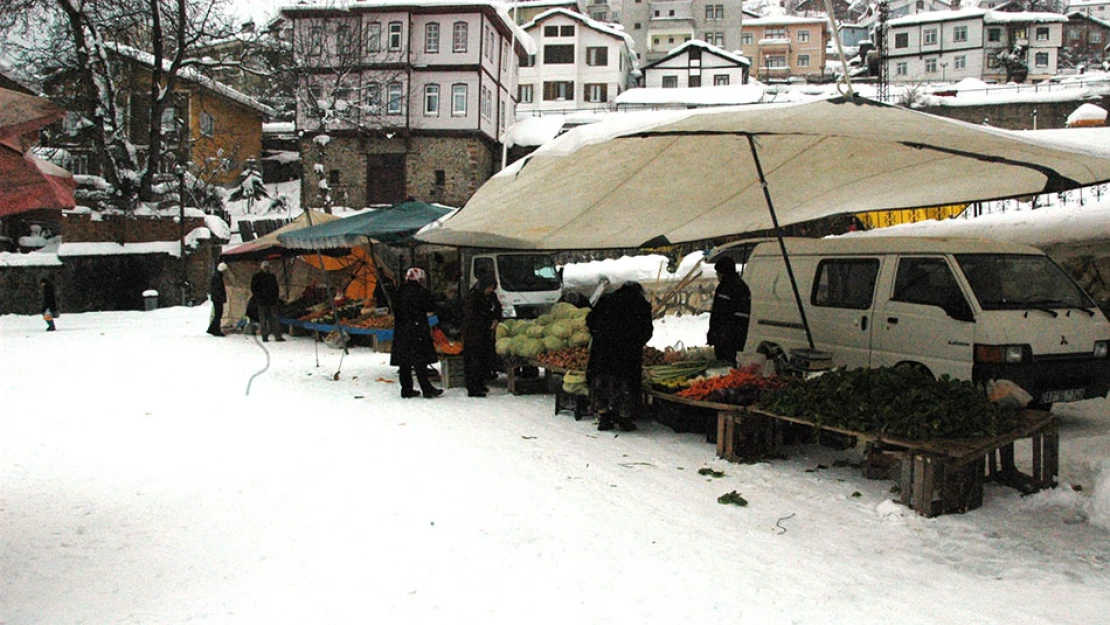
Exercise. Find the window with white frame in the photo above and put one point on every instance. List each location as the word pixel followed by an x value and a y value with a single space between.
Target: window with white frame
pixel 315 45
pixel 491 44
pixel 1042 33
pixel 558 90
pixel 566 30
pixel 776 32
pixel 803 60
pixel 718 40
pixel 431 38
pixel 394 104
pixel 776 61
pixel 693 81
pixel 930 66
pixel 169 120
pixel 670 82
pixel 959 34
pixel 960 62
pixel 526 93
pixel 597 56
pixel 719 12
pixel 458 100
pixel 431 100
pixel 803 35
pixel 551 31
pixel 485 103
pixel 1041 59
pixel 395 36
pixel 929 37
pixel 902 69
pixel 747 39
pixel 720 80
pixel 458 38
pixel 596 92
pixel 501 117
pixel 207 124
pixel 374 37
pixel 373 96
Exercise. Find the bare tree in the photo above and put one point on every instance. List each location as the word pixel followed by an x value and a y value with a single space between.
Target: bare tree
pixel 87 46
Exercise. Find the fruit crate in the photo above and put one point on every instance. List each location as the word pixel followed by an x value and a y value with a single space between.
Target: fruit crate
pixel 451 371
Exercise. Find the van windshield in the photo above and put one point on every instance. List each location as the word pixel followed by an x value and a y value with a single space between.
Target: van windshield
pixel 1017 281
pixel 527 272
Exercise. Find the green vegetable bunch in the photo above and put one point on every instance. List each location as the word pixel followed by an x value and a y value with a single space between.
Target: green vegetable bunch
pixel 901 402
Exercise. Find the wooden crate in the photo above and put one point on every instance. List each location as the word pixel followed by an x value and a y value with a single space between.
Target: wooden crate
pixel 525 380
pixel 451 371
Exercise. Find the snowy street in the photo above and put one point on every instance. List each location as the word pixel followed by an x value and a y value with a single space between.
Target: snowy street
pixel 139 483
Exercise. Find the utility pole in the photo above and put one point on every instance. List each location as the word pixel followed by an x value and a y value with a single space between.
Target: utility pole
pixel 882 50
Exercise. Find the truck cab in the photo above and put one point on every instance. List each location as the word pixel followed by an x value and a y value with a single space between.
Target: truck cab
pixel 527 283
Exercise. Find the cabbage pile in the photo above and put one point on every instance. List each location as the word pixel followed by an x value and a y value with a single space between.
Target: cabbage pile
pixel 564 326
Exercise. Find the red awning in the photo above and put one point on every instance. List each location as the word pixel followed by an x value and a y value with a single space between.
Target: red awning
pixel 28 183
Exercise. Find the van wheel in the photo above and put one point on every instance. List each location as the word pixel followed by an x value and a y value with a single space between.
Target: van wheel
pixel 916 366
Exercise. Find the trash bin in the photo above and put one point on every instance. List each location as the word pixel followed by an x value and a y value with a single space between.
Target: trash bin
pixel 150 299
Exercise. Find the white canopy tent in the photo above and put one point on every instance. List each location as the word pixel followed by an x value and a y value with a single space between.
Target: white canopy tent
pixel 649 179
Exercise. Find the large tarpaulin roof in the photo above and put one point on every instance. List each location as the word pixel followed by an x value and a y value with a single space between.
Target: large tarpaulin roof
pixel 386 225
pixel 648 179
pixel 269 246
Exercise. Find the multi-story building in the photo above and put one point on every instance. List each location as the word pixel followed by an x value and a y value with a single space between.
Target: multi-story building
pixel 972 43
pixel 659 26
pixel 1086 40
pixel 696 64
pixel 524 11
pixel 579 64
pixel 399 100
pixel 785 46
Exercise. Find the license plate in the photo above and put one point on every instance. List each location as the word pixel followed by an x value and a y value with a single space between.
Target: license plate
pixel 1071 394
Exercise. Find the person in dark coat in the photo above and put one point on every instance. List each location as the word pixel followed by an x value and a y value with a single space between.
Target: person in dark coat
pixel 413 349
pixel 267 296
pixel 49 304
pixel 217 292
pixel 620 326
pixel 728 316
pixel 481 313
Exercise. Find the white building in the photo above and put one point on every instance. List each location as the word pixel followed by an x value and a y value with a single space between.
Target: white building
pixel 413 97
pixel 579 64
pixel 966 43
pixel 697 64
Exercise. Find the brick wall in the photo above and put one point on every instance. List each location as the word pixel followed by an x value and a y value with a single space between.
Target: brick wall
pixel 82 228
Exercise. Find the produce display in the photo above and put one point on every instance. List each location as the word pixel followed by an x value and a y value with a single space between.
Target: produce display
pixel 569 359
pixel 564 326
pixel 744 386
pixel 896 401
pixel 677 369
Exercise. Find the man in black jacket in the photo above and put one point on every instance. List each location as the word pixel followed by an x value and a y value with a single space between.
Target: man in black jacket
pixel 49 304
pixel 264 290
pixel 728 317
pixel 217 292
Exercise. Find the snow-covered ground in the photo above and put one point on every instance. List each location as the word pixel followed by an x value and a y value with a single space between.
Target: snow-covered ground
pixel 141 483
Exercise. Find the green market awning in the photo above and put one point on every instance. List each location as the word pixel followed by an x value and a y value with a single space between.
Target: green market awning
pixel 395 224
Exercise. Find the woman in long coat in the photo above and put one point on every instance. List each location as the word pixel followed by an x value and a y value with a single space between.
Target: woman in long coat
pixel 413 349
pixel 620 326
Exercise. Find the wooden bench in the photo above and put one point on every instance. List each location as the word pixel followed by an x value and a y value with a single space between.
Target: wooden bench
pixel 936 477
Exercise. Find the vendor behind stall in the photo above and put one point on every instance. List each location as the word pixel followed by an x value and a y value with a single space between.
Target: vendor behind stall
pixel 728 317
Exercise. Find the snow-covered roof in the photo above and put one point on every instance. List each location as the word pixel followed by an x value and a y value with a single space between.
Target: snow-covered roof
pixel 501 8
pixel 1087 112
pixel 590 23
pixel 694 96
pixel 1094 20
pixel 988 17
pixel 708 47
pixel 279 128
pixel 191 75
pixel 785 20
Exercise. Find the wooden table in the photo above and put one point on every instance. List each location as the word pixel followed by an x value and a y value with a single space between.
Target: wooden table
pixel 939 476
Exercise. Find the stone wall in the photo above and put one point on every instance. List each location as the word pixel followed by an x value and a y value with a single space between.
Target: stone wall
pixel 1016 115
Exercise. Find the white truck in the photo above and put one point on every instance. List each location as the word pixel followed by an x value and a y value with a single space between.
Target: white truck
pixel 527 283
pixel 972 309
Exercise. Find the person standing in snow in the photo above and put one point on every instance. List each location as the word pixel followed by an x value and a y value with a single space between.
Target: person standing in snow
pixel 413 349
pixel 49 304
pixel 620 324
pixel 481 313
pixel 264 290
pixel 728 316
pixel 217 291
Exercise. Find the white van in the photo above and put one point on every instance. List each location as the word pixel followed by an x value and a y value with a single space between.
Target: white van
pixel 527 283
pixel 971 309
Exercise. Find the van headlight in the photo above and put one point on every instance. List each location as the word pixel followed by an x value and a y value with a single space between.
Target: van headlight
pixel 1102 349
pixel 1009 354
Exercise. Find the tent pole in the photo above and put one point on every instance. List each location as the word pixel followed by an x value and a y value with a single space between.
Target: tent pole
pixel 782 244
pixel 378 273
